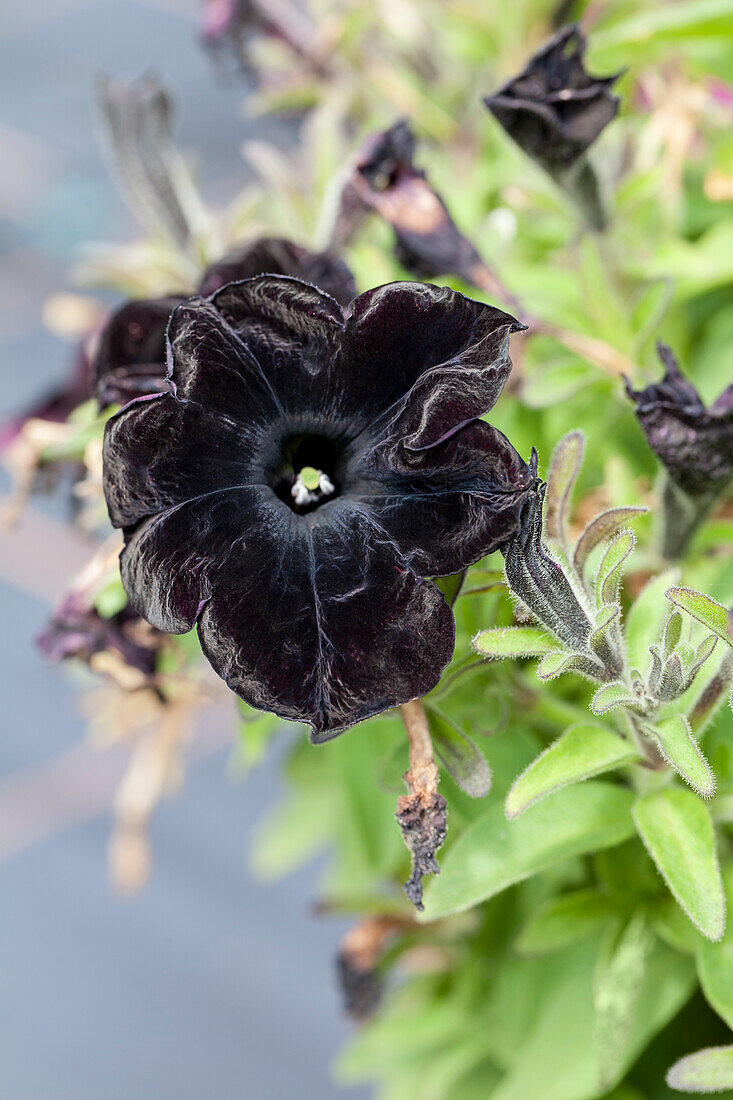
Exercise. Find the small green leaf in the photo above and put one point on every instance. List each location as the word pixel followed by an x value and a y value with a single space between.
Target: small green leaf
pixel 708 1070
pixel 580 752
pixel 599 530
pixel 564 469
pixel 677 831
pixel 608 581
pixel 679 748
pixel 703 608
pixel 493 853
pixel 558 662
pixel 513 641
pixel 564 920
pixel 613 695
pixel 672 632
pixel 460 756
pixel 645 617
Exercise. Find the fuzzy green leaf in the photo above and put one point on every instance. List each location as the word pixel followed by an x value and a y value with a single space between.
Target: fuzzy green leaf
pixel 564 468
pixel 613 695
pixel 460 756
pixel 703 608
pixel 672 632
pixel 601 528
pixel 679 748
pixel 514 641
pixel 708 1070
pixel 556 663
pixel 677 831
pixel 580 752
pixel 493 853
pixel 608 581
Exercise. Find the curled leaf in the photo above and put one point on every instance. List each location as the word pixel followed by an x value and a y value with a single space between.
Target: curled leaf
pixel 600 529
pixel 567 459
pixel 460 756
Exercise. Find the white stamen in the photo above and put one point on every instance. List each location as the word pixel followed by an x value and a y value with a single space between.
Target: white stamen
pixel 302 495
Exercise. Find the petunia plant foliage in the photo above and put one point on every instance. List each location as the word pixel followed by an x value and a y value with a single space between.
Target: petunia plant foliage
pixel 379 455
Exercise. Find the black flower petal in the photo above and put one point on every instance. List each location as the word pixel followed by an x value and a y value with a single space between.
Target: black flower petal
pixel 131 357
pixel 427 357
pixel 316 609
pixel 277 256
pixel 554 109
pixel 693 442
pixel 427 241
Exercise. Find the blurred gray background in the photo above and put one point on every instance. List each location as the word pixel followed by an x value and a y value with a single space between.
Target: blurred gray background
pixel 208 984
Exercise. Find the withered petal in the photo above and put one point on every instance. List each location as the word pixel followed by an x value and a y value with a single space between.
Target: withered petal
pixel 278 256
pixel 131 356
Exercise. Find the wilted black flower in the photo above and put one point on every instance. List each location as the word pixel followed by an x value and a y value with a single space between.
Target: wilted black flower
pixel 693 443
pixel 554 109
pixel 277 256
pixel 131 359
pixel 385 180
pixel 77 630
pixel 308 469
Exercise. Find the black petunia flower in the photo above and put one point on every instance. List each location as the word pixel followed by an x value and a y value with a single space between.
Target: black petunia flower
pixel 131 358
pixel 310 466
pixel 554 109
pixel 385 180
pixel 693 443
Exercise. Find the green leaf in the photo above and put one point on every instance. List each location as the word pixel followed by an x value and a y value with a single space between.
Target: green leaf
pixel 672 633
pixel 564 920
pixel 708 1070
pixel 565 466
pixel 679 748
pixel 715 965
pixel 492 853
pixel 618 981
pixel 558 662
pixel 513 641
pixel 608 581
pixel 599 530
pixel 581 752
pixel 703 608
pixel 557 381
pixel 661 25
pixel 677 831
pixel 613 695
pixel 645 617
pixel 451 586
pixel 606 617
pixel 460 756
